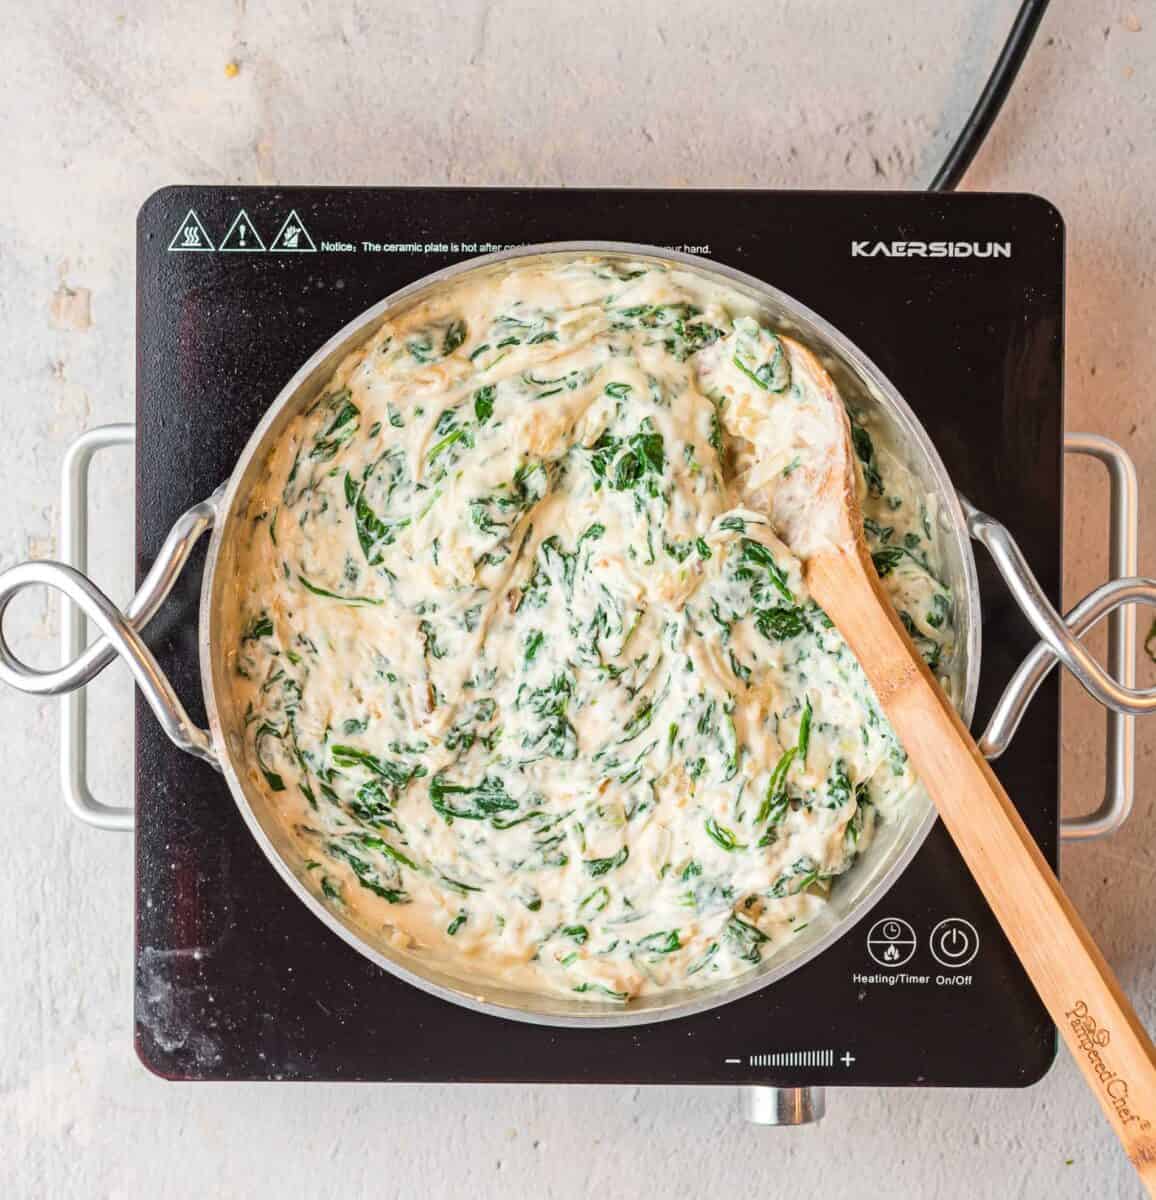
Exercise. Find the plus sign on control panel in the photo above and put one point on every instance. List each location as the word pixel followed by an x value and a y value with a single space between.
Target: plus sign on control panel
pixel 954 942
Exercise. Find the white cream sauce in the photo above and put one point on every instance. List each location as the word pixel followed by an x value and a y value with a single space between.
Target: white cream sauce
pixel 533 691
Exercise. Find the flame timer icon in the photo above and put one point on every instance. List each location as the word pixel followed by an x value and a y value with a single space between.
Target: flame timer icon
pixel 891 942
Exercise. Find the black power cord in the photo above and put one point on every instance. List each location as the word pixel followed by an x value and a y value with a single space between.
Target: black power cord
pixel 991 99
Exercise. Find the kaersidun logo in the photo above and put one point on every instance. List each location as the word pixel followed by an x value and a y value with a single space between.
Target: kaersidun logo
pixel 871 249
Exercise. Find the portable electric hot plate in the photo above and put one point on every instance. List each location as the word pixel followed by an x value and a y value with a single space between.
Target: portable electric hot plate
pixel 957 298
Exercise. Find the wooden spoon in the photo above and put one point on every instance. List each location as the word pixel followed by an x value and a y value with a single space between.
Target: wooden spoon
pixel 1075 983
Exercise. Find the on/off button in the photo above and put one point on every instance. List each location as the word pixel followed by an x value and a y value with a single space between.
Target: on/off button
pixel 954 942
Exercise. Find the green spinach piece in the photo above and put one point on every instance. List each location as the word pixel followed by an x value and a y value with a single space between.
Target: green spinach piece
pixel 781 623
pixel 865 452
pixel 632 463
pixel 484 402
pixel 723 836
pixel 601 866
pixel 603 989
pixel 757 566
pixel 748 940
pixel 480 802
pixel 352 600
pixel 263 731
pixel 374 535
pixel 260 626
pixel 367 875
pixel 340 430
pixel 663 942
pixel 805 730
pixel 455 336
pixel 396 774
pixel 775 802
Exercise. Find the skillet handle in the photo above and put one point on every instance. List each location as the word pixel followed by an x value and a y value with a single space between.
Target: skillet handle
pixel 80 598
pixel 1115 599
pixel 123 640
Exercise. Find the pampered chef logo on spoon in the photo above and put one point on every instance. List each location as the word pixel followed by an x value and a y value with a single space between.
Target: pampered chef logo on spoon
pixel 871 249
pixel 1093 1038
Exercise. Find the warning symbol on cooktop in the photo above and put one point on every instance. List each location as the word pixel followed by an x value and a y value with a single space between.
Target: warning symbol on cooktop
pixel 891 942
pixel 191 235
pixel 242 237
pixel 293 237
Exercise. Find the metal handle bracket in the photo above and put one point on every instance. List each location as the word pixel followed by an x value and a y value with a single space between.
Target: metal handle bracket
pixel 120 632
pixel 78 797
pixel 1114 688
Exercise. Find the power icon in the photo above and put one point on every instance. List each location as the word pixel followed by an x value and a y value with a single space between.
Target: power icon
pixel 954 942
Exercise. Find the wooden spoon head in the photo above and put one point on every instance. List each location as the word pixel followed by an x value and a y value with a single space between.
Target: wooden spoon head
pixel 813 501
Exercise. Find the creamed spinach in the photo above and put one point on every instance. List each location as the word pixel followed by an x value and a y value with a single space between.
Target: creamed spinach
pixel 528 675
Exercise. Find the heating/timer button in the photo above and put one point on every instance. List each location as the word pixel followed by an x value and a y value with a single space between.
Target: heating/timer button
pixel 954 942
pixel 891 942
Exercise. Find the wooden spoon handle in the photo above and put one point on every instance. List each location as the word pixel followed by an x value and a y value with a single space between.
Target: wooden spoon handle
pixel 1075 983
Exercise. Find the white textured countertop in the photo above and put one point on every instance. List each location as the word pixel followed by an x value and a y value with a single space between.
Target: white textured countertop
pixel 101 104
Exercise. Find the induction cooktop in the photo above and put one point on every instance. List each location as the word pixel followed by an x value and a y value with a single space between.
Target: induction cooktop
pixel 959 300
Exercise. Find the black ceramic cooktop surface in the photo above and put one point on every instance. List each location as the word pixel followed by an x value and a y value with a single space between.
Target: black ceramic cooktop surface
pixel 235 979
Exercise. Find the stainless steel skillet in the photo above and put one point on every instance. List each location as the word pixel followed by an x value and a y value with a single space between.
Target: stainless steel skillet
pixel 863 385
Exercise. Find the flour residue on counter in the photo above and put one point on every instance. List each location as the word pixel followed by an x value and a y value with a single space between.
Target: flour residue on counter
pixel 533 690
